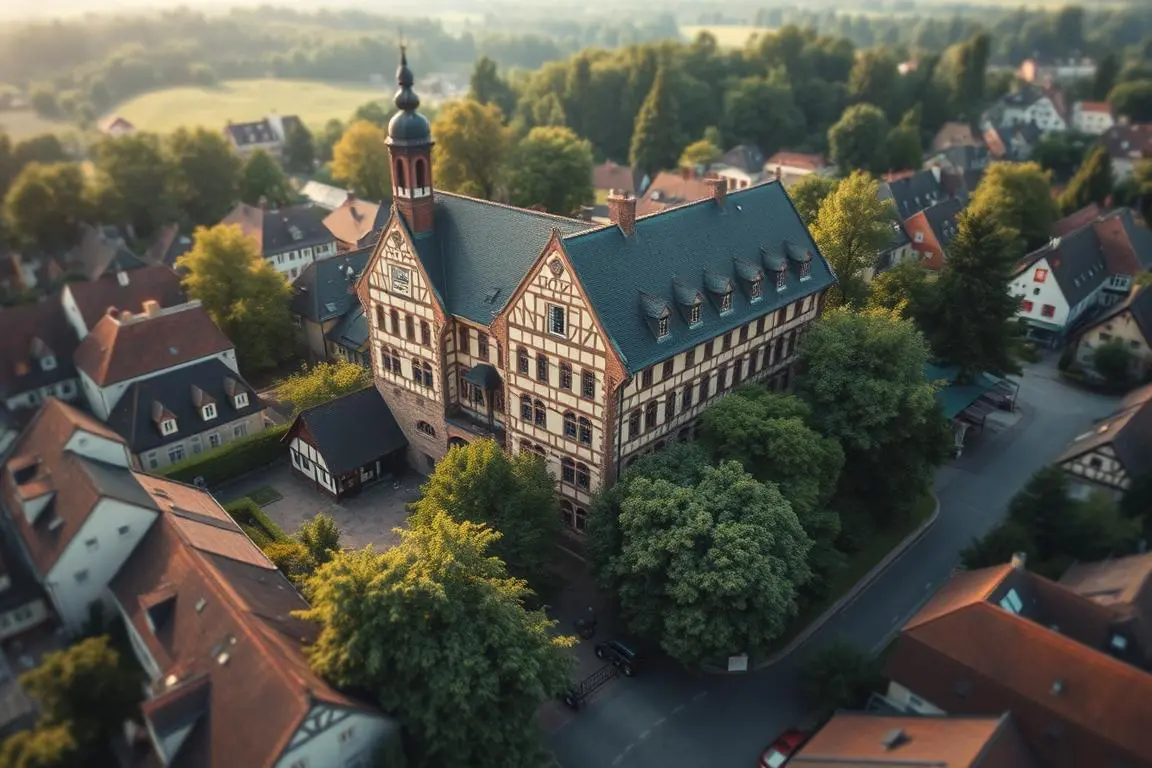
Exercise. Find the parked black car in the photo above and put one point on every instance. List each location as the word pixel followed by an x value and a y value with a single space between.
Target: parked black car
pixel 619 654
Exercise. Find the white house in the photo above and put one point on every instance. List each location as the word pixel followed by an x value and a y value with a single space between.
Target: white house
pixel 1041 107
pixel 1113 452
pixel 289 238
pixel 1058 283
pixel 1127 145
pixel 1094 117
pixel 85 303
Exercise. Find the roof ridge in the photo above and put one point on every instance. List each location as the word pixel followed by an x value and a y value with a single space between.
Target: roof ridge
pixel 516 208
pixel 729 194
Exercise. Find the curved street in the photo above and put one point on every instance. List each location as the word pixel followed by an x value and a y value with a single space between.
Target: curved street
pixel 669 718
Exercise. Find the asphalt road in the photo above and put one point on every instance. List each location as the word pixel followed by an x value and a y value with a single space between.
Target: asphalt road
pixel 669 718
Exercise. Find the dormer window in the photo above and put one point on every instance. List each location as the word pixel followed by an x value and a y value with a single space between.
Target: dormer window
pixel 168 427
pixel 657 314
pixel 720 286
pixel 689 300
pixel 802 257
pixel 726 301
pixel 752 278
pixel 754 290
pixel 776 266
pixel 48 363
pixel 241 400
pixel 662 327
pixel 694 314
pixel 208 412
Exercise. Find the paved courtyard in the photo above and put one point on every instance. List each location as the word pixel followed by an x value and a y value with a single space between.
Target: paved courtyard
pixel 365 519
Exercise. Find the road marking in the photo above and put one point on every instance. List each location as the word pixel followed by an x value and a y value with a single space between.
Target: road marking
pixel 659 722
pixel 645 735
pixel 677 708
pixel 700 695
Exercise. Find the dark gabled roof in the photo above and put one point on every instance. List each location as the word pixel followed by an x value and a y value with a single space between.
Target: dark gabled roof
pixel 941 217
pixel 176 392
pixel 1139 304
pixel 99 252
pixel 369 240
pixel 679 245
pixel 477 247
pixel 351 430
pixel 1129 432
pixel 1128 142
pixel 326 289
pixel 1025 97
pixel 281 229
pixel 744 157
pixel 352 330
pixel 169 245
pixel 913 193
pixel 1076 262
pixel 29 332
pixel 1139 236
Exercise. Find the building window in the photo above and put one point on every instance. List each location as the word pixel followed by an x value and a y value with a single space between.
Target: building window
pixel 662 327
pixel 1047 310
pixel 705 387
pixel 722 378
pixel 727 341
pixel 669 405
pixel 583 481
pixel 781 280
pixel 650 416
pixel 566 508
pixel 726 302
pixel 666 373
pixel 176 453
pixel 426 428
pixel 525 408
pixel 1011 602
pixel 585 431
pixel 565 376
pixel 646 378
pixel 498 401
pixel 1040 276
pixel 522 361
pixel 426 368
pixel 569 424
pixel 805 270
pixel 410 327
pixel 760 326
pixel 425 333
pixel 1025 305
pixel 241 400
pixel 208 411
pixel 123 530
pixel 694 314
pixel 581 519
pixel 482 345
pixel 737 370
pixel 92 545
pixel 690 358
pixel 708 350
pixel 214 440
pixel 755 290
pixel 588 384
pixel 168 427
pixel 465 340
pixel 380 316
pixel 634 424
pixel 743 333
pixel 82 576
pixel 349 733
pixel 416 375
pixel 541 414
pixel 686 397
pixel 240 430
pixel 542 367
pixel 153 460
pixel 394 317
pixel 557 321
pixel 567 470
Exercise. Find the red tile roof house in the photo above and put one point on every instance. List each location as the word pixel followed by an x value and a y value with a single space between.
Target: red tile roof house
pixel 1069 667
pixel 1127 145
pixel 208 615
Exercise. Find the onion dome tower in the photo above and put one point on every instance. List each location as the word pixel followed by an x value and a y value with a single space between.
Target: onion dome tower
pixel 410 148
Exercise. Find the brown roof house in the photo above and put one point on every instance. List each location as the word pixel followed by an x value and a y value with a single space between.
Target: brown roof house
pixel 609 177
pixel 889 741
pixel 167 381
pixel 791 167
pixel 353 221
pixel 116 126
pixel 36 347
pixel 1069 668
pixel 170 244
pixel 86 303
pixel 289 238
pixel 669 190
pixel 1127 145
pixel 1107 457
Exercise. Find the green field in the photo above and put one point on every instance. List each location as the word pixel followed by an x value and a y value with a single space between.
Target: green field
pixel 23 123
pixel 728 36
pixel 240 100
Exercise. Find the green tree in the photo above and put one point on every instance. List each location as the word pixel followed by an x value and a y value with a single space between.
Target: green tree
pixel 45 204
pixel 293 559
pixel 87 688
pixel 262 180
pixel 699 153
pixel 205 174
pixel 552 168
pixel 549 111
pixel 327 139
pixel 299 149
pixel 514 495
pixel 1060 153
pixel 809 193
pixel 360 160
pixel 998 545
pixel 44 101
pixel 857 140
pixel 851 227
pixel 761 111
pixel 323 382
pixel 45 746
pixel 1133 100
pixel 862 374
pixel 242 292
pixel 905 288
pixel 969 73
pixel 656 139
pixel 902 148
pixel 690 554
pixel 1113 361
pixel 1091 184
pixel 873 79
pixel 373 112
pixel 134 179
pixel 8 167
pixel 45 149
pixel 1019 197
pixel 321 536
pixel 375 611
pixel 972 323
pixel 1044 508
pixel 1107 72
pixel 839 676
pixel 471 147
pixel 487 87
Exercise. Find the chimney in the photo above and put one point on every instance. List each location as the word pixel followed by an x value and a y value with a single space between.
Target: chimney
pixel 1019 561
pixel 125 316
pixel 719 190
pixel 151 308
pixel 122 278
pixel 622 212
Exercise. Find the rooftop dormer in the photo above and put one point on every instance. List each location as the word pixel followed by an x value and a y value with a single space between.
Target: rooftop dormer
pixel 689 300
pixel 751 279
pixel 720 289
pixel 657 314
pixel 777 267
pixel 165 420
pixel 801 257
pixel 204 402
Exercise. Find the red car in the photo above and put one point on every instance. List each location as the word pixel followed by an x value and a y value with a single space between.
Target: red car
pixel 784 747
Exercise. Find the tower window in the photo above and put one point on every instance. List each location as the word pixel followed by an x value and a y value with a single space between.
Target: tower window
pixel 401 181
pixel 421 173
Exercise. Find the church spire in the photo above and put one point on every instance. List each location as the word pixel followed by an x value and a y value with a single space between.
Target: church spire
pixel 407 127
pixel 410 147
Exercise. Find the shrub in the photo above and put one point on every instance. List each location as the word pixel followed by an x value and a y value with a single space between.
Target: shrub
pixel 839 676
pixel 1113 361
pixel 252 519
pixel 231 460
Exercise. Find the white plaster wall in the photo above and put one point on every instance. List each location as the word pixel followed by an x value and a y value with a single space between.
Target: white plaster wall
pixel 329 750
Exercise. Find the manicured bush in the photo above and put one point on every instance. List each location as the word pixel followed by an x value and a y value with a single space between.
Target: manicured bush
pixel 252 519
pixel 231 460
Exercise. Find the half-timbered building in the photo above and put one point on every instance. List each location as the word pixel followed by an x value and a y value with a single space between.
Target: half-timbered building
pixel 587 344
pixel 1115 450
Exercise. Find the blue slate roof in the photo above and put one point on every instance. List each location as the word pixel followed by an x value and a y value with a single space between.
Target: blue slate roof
pixel 351 430
pixel 477 247
pixel 352 330
pixel 678 246
pixel 326 289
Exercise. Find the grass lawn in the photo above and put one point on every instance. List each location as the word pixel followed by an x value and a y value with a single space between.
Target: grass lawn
pixel 265 495
pixel 240 100
pixel 24 123
pixel 858 564
pixel 727 35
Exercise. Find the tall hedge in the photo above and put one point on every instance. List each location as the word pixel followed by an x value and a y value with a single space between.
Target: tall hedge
pixel 231 460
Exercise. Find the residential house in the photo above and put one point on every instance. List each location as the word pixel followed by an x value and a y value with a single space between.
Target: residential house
pixel 1043 107
pixel 167 381
pixel 1046 71
pixel 101 251
pixel 323 295
pixel 348 339
pixel 1128 323
pixel 791 167
pixel 1107 457
pixel 1127 145
pixel 588 345
pixel 1059 283
pixel 209 618
pixel 954 134
pixel 1069 668
pixel 346 444
pixel 932 229
pixel 897 252
pixel 889 740
pixel 170 244
pixel 324 196
pixel 268 133
pixel 669 190
pixel 913 191
pixel 115 126
pixel 36 350
pixel 959 160
pixel 1094 117
pixel 84 304
pixel 289 238
pixel 1012 143
pixel 1076 220
pixel 352 222
pixel 742 166
pixel 1123 584
pixel 608 177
